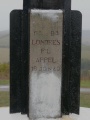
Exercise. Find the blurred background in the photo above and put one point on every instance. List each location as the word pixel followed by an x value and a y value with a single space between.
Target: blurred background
pixel 5 8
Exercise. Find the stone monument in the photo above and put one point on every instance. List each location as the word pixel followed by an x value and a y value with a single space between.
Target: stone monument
pixel 45 55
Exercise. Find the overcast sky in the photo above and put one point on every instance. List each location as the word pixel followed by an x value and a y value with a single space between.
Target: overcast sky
pixel 8 5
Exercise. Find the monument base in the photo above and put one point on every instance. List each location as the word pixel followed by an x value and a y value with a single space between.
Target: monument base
pixel 5 115
pixel 66 117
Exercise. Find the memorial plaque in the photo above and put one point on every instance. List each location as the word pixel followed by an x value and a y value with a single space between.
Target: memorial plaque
pixel 46 29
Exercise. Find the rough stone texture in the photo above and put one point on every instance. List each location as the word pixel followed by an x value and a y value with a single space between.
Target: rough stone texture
pixel 45 96
pixel 45 64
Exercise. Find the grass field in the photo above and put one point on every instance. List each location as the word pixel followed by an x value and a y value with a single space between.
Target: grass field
pixel 85 100
pixel 4 99
pixel 4 71
pixel 85 84
pixel 4 82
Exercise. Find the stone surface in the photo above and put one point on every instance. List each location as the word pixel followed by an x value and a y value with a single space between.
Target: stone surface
pixel 46 29
pixel 4 115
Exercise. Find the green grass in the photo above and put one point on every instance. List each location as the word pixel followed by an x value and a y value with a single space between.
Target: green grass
pixel 4 99
pixel 85 83
pixel 4 71
pixel 4 82
pixel 85 100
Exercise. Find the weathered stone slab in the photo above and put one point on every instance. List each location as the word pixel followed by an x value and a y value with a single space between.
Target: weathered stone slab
pixel 46 29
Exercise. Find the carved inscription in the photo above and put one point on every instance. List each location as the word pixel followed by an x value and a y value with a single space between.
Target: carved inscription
pixel 45 43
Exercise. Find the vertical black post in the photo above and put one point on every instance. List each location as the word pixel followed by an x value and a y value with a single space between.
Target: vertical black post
pixel 25 62
pixel 25 58
pixel 65 66
pixel 46 4
pixel 15 61
pixel 75 62
pixel 26 4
